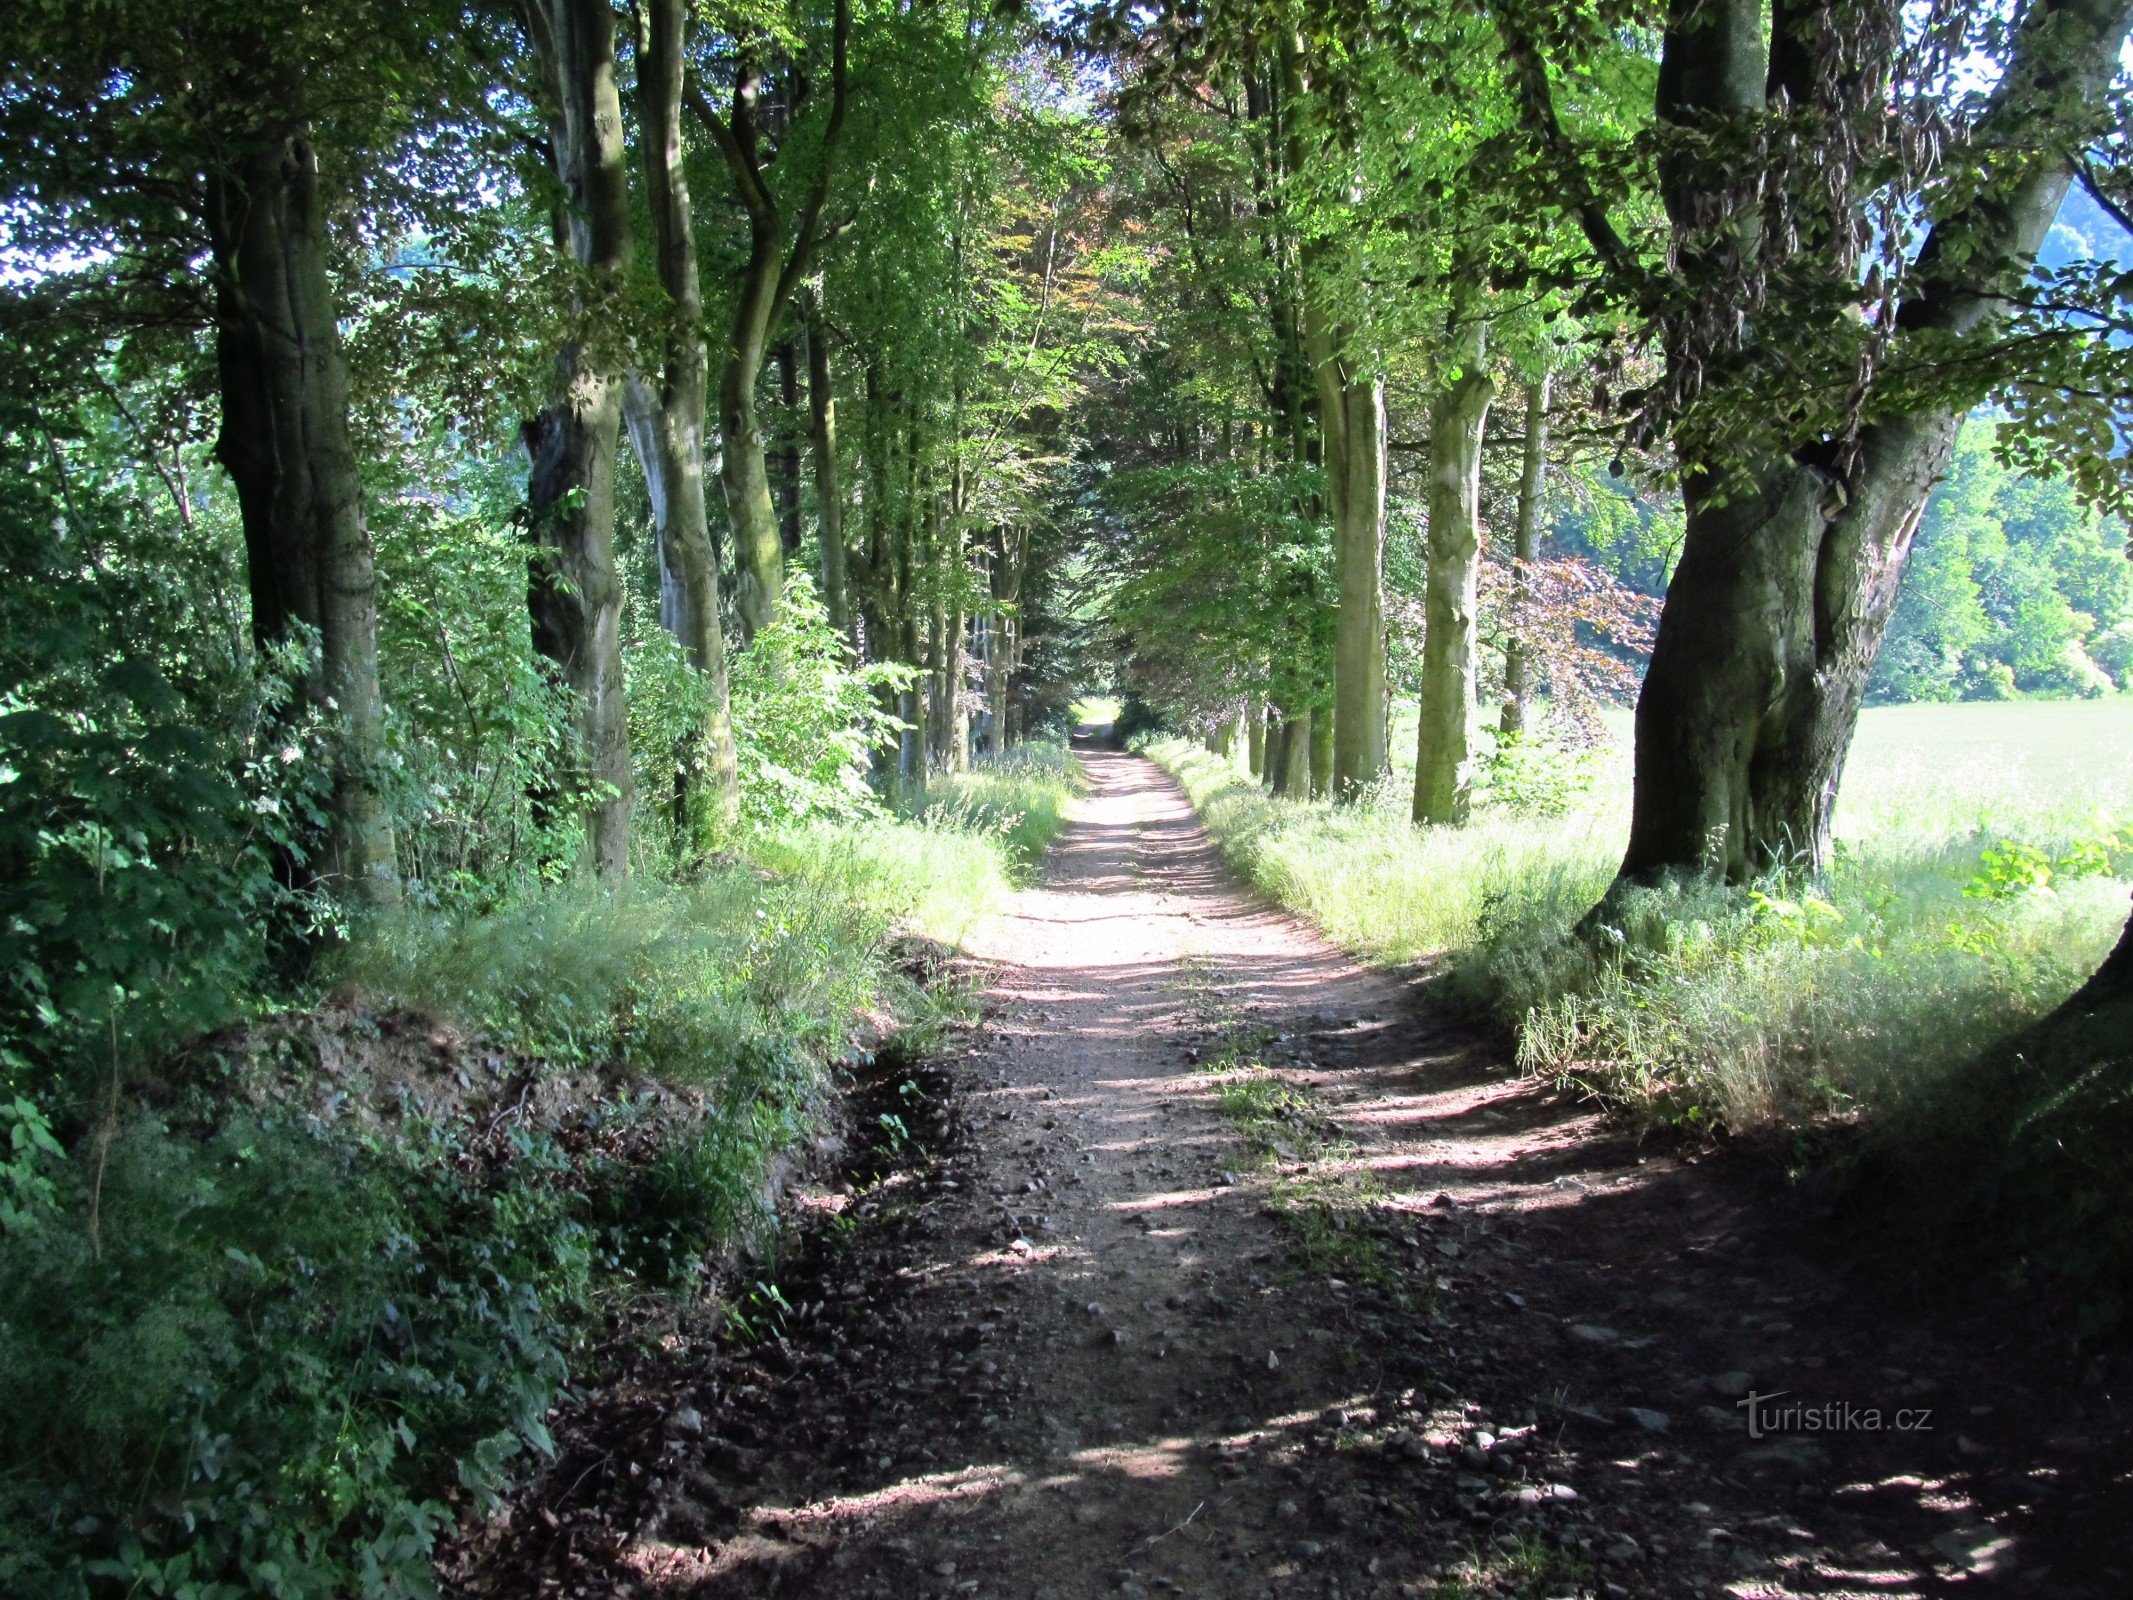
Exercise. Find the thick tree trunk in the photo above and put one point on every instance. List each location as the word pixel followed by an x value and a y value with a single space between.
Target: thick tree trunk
pixel 1532 482
pixel 286 446
pixel 758 547
pixel 1321 752
pixel 1293 779
pixel 1444 740
pixel 1352 422
pixel 1255 720
pixel 1785 586
pixel 574 595
pixel 829 491
pixel 669 431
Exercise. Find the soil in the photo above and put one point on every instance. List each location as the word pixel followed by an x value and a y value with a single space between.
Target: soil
pixel 1214 1263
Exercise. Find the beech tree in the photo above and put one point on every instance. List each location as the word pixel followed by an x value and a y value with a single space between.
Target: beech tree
pixel 784 230
pixel 1839 288
pixel 204 164
pixel 575 592
pixel 667 423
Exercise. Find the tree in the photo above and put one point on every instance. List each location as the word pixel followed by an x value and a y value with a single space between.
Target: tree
pixel 783 234
pixel 1816 373
pixel 574 593
pixel 1532 481
pixel 667 425
pixel 204 165
pixel 1444 753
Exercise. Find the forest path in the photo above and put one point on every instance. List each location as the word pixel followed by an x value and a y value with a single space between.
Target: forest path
pixel 1372 1317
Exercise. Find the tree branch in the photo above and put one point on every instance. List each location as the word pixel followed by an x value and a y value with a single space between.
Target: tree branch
pixel 1529 71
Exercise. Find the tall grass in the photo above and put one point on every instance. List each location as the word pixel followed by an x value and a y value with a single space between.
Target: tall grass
pixel 1753 1009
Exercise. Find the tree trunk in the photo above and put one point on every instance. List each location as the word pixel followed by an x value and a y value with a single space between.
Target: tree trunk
pixel 1321 752
pixel 1293 775
pixel 1444 738
pixel 1255 721
pixel 1532 482
pixel 574 596
pixel 758 548
pixel 1007 570
pixel 788 361
pixel 829 493
pixel 1276 751
pixel 1785 587
pixel 667 428
pixel 1352 421
pixel 285 443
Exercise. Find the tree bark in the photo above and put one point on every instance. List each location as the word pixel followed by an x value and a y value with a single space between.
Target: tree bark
pixel 829 491
pixel 1785 586
pixel 1321 752
pixel 1351 409
pixel 1293 772
pixel 1444 739
pixel 788 363
pixel 1532 483
pixel 667 427
pixel 573 592
pixel 285 443
pixel 1009 562
pixel 1255 740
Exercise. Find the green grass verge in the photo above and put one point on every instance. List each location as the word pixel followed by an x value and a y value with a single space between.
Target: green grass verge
pixel 1969 896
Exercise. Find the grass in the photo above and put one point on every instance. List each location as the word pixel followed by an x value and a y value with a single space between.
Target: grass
pixel 311 1292
pixel 1754 1010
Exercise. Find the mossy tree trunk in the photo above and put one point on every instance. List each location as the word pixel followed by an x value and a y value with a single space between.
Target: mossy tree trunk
pixel 574 594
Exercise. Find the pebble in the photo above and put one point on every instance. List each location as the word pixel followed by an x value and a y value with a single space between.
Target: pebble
pixel 1649 1420
pixel 1730 1385
pixel 1592 1333
pixel 687 1420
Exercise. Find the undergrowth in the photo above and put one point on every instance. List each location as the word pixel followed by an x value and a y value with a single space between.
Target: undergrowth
pixel 1756 1009
pixel 306 1290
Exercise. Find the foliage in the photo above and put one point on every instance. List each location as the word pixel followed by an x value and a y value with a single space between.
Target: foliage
pixel 2012 587
pixel 149 787
pixel 308 1332
pixel 807 722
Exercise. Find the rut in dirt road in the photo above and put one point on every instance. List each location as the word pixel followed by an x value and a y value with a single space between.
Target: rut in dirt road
pixel 1252 1276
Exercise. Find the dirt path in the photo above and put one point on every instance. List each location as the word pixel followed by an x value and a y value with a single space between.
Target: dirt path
pixel 1244 1276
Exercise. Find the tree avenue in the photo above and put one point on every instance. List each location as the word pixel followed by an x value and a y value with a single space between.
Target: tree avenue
pixel 588 525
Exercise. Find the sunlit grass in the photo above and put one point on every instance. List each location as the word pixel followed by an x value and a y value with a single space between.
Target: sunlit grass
pixel 1745 1008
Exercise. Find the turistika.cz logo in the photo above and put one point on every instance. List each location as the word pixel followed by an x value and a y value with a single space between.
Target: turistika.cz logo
pixel 1779 1413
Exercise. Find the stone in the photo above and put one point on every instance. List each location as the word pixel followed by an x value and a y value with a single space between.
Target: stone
pixel 1623 1549
pixel 1592 1333
pixel 688 1420
pixel 1978 1549
pixel 1649 1420
pixel 1730 1385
